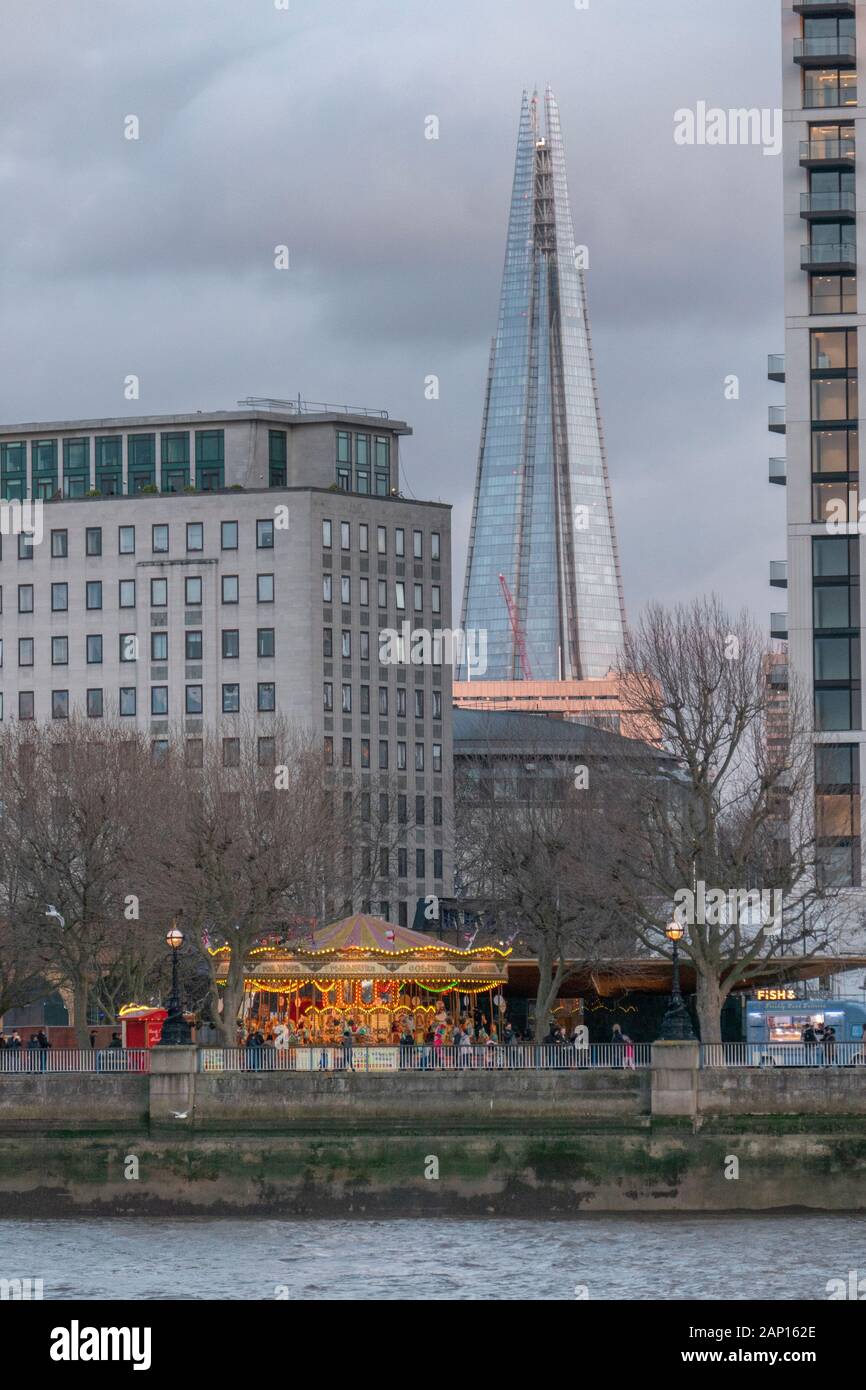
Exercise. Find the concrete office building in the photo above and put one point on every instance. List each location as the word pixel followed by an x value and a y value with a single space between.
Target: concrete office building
pixel 233 564
pixel 825 314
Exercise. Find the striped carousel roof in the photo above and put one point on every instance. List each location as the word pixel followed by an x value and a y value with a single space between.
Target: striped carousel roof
pixel 363 946
pixel 371 934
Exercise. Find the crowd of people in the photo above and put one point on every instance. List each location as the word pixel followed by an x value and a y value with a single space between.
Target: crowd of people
pixel 447 1041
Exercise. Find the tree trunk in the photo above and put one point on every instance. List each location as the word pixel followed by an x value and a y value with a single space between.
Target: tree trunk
pixel 545 997
pixel 80 1000
pixel 232 997
pixel 709 1006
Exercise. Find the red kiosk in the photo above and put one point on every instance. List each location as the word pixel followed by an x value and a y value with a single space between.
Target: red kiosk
pixel 141 1025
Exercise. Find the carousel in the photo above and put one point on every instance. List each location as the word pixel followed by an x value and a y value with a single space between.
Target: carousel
pixel 380 978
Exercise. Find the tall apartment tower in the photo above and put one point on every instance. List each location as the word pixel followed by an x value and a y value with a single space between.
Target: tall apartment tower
pixel 542 575
pixel 825 323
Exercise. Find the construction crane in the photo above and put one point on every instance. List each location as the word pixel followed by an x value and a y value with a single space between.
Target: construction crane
pixel 519 640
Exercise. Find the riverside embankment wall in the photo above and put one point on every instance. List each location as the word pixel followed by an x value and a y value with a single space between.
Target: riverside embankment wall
pixel 522 1143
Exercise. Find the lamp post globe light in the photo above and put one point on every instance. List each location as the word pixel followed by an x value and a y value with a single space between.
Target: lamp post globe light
pixel 175 1030
pixel 676 1024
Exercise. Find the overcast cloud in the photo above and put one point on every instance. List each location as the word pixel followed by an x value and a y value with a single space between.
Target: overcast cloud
pixel 306 127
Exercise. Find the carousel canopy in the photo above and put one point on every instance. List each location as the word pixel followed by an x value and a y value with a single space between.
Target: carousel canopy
pixel 365 947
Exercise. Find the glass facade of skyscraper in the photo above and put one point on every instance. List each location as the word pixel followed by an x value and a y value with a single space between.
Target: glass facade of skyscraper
pixel 542 519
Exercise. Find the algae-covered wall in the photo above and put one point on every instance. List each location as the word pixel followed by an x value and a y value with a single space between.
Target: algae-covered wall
pixel 364 1175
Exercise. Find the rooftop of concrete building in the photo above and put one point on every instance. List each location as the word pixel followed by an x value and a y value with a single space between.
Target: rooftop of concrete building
pixel 267 409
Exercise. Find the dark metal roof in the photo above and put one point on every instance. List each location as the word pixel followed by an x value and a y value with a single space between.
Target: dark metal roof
pixel 504 732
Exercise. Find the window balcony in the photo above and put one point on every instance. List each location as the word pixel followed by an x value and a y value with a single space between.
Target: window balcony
pixel 829 258
pixel 835 206
pixel 779 626
pixel 823 95
pixel 812 9
pixel 827 154
pixel 776 421
pixel 779 471
pixel 833 51
pixel 779 676
pixel 779 574
pixel 776 366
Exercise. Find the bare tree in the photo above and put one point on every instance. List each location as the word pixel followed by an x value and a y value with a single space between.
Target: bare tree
pixel 532 844
pixel 253 848
pixel 78 836
pixel 736 822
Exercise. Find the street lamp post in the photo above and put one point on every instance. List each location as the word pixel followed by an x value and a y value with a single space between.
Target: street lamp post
pixel 175 1029
pixel 676 1024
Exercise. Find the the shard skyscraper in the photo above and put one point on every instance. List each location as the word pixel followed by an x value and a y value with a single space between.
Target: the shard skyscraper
pixel 542 575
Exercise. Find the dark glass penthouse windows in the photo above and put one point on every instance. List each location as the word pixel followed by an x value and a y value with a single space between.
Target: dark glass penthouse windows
pixel 209 460
pixel 174 460
pixel 277 460
pixel 109 465
pixel 141 462
pixel 364 463
pixel 836 643
pixel 13 470
pixel 76 467
pixel 43 460
pixel 834 424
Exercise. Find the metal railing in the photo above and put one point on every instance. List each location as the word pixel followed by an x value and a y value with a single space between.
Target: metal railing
pixel 741 1054
pixel 302 407
pixel 387 1058
pixel 822 253
pixel 827 151
pixel 66 1061
pixel 829 94
pixel 834 201
pixel 834 46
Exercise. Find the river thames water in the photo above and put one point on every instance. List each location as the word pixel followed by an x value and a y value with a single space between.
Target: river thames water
pixel 777 1257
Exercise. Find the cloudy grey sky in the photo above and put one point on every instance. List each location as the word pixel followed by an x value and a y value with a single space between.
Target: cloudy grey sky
pixel 261 126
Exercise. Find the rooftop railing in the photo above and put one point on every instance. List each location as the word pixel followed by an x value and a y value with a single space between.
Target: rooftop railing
pixel 302 407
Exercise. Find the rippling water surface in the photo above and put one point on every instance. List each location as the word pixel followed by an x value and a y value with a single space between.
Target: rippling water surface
pixel 786 1256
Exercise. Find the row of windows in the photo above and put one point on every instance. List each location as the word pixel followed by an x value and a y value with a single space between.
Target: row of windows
pixel 159 539
pixel 381 540
pixel 175 472
pixel 128 701
pixel 836 639
pixel 364 460
pixel 402 763
pixel 329 589
pixel 128 647
pixel 837 814
pixel 402 808
pixel 383 701
pixel 437 647
pixel 126 593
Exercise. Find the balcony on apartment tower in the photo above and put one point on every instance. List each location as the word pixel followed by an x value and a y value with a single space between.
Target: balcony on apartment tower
pixel 814 9
pixel 779 471
pixel 829 257
pixel 831 205
pixel 838 50
pixel 827 152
